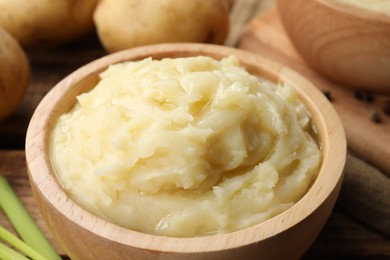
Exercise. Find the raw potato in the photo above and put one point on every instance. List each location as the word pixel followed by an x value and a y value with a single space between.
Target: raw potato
pixel 45 22
pixel 14 74
pixel 123 24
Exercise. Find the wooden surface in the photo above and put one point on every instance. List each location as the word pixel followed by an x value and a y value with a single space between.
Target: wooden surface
pixel 342 236
pixel 265 35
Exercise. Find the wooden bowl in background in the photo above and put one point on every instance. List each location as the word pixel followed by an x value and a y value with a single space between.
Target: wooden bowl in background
pixel 84 236
pixel 348 44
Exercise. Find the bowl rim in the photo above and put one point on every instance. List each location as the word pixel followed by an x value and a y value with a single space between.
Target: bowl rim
pixel 356 11
pixel 332 139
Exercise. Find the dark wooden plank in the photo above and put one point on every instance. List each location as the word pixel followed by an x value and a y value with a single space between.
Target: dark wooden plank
pixel 345 237
pixel 48 66
pixel 13 167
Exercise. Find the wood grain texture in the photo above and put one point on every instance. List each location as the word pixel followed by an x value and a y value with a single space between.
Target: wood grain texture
pixel 265 35
pixel 349 45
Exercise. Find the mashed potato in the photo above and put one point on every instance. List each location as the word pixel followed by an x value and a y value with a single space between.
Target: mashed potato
pixel 381 6
pixel 185 147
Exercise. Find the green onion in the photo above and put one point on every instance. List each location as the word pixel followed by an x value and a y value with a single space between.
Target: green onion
pixel 8 237
pixel 7 253
pixel 23 222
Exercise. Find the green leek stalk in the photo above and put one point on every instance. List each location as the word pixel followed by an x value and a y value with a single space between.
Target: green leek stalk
pixel 14 241
pixel 7 253
pixel 23 222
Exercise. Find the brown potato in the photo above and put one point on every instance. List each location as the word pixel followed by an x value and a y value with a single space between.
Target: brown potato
pixel 14 74
pixel 123 24
pixel 45 22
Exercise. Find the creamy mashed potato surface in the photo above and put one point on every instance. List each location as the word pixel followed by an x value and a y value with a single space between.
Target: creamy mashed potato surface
pixel 381 6
pixel 185 147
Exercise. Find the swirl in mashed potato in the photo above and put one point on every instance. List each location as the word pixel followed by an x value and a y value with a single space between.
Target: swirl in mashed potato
pixel 185 147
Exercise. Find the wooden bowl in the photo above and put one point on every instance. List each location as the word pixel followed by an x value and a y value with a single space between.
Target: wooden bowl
pixel 84 236
pixel 348 44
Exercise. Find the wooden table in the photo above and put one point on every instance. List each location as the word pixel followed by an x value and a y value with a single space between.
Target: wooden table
pixel 342 236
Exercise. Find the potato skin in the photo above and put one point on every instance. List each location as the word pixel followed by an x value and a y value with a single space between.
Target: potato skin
pixel 123 24
pixel 46 22
pixel 14 74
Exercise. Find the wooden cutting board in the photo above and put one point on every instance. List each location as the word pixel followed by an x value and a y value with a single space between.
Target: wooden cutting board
pixel 265 35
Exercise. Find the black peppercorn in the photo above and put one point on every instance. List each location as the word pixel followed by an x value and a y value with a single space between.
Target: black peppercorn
pixel 327 94
pixel 375 116
pixel 364 95
pixel 386 108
